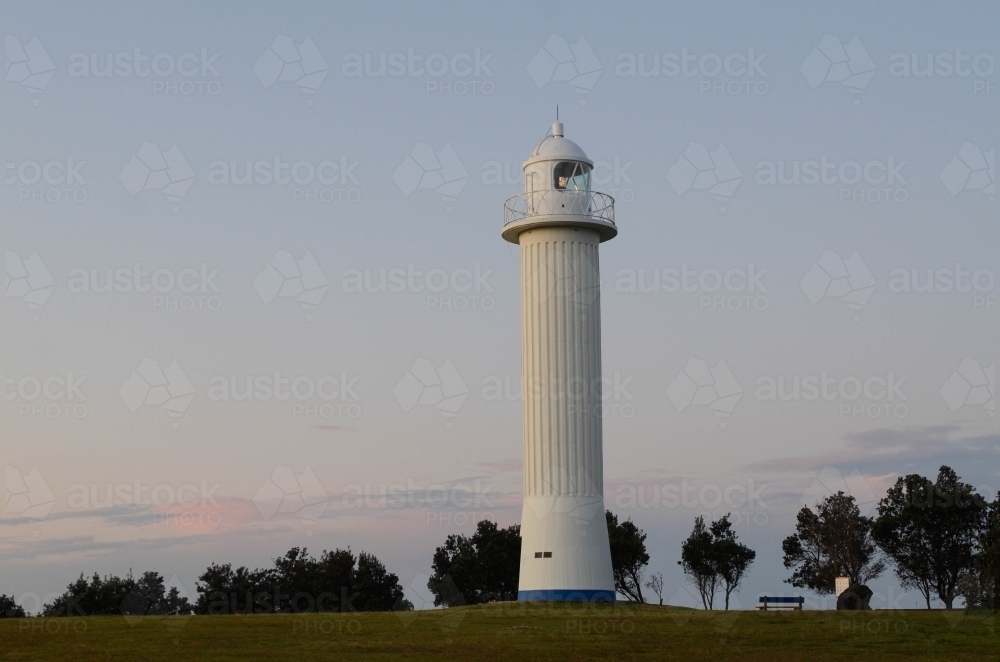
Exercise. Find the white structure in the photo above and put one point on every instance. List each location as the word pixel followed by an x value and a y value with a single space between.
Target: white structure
pixel 559 223
pixel 841 584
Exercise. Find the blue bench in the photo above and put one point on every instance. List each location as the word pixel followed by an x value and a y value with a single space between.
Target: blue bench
pixel 770 601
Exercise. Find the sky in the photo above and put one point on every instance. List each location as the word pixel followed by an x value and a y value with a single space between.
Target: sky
pixel 308 198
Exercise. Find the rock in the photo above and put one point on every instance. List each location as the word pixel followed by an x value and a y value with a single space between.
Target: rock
pixel 855 598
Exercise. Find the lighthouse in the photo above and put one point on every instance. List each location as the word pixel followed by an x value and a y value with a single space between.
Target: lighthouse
pixel 559 223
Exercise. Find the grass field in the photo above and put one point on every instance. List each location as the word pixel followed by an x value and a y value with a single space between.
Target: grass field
pixel 514 631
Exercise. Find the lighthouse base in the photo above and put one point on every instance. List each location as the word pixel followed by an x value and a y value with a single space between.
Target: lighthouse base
pixel 565 554
pixel 564 596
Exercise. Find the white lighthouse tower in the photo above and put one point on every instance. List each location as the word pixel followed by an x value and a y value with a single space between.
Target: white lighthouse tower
pixel 559 224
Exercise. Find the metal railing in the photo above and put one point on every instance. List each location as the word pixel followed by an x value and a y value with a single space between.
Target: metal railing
pixel 599 206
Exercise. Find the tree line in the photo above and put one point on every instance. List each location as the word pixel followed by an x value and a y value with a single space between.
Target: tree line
pixel 476 569
pixel 941 537
pixel 484 567
pixel 296 582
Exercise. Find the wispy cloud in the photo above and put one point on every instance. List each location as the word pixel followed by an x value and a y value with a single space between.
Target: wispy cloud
pixel 882 454
pixel 898 450
pixel 74 546
pixel 497 467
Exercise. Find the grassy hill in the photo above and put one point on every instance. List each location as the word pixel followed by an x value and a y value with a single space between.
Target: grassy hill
pixel 514 631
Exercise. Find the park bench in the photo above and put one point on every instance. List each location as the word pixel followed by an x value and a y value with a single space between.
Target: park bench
pixel 772 602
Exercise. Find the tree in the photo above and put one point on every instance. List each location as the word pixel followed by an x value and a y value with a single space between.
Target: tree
pixel 655 584
pixel 477 569
pixel 222 590
pixel 698 563
pixel 834 541
pixel 932 532
pixel 712 557
pixel 903 539
pixel 149 597
pixel 378 589
pixel 118 595
pixel 298 582
pixel 988 559
pixel 980 587
pixel 976 593
pixel 10 609
pixel 628 556
pixel 731 557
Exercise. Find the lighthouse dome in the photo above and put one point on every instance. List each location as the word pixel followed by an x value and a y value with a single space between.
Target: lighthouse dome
pixel 556 147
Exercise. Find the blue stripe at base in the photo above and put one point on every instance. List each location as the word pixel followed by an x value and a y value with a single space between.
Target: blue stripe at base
pixel 578 595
